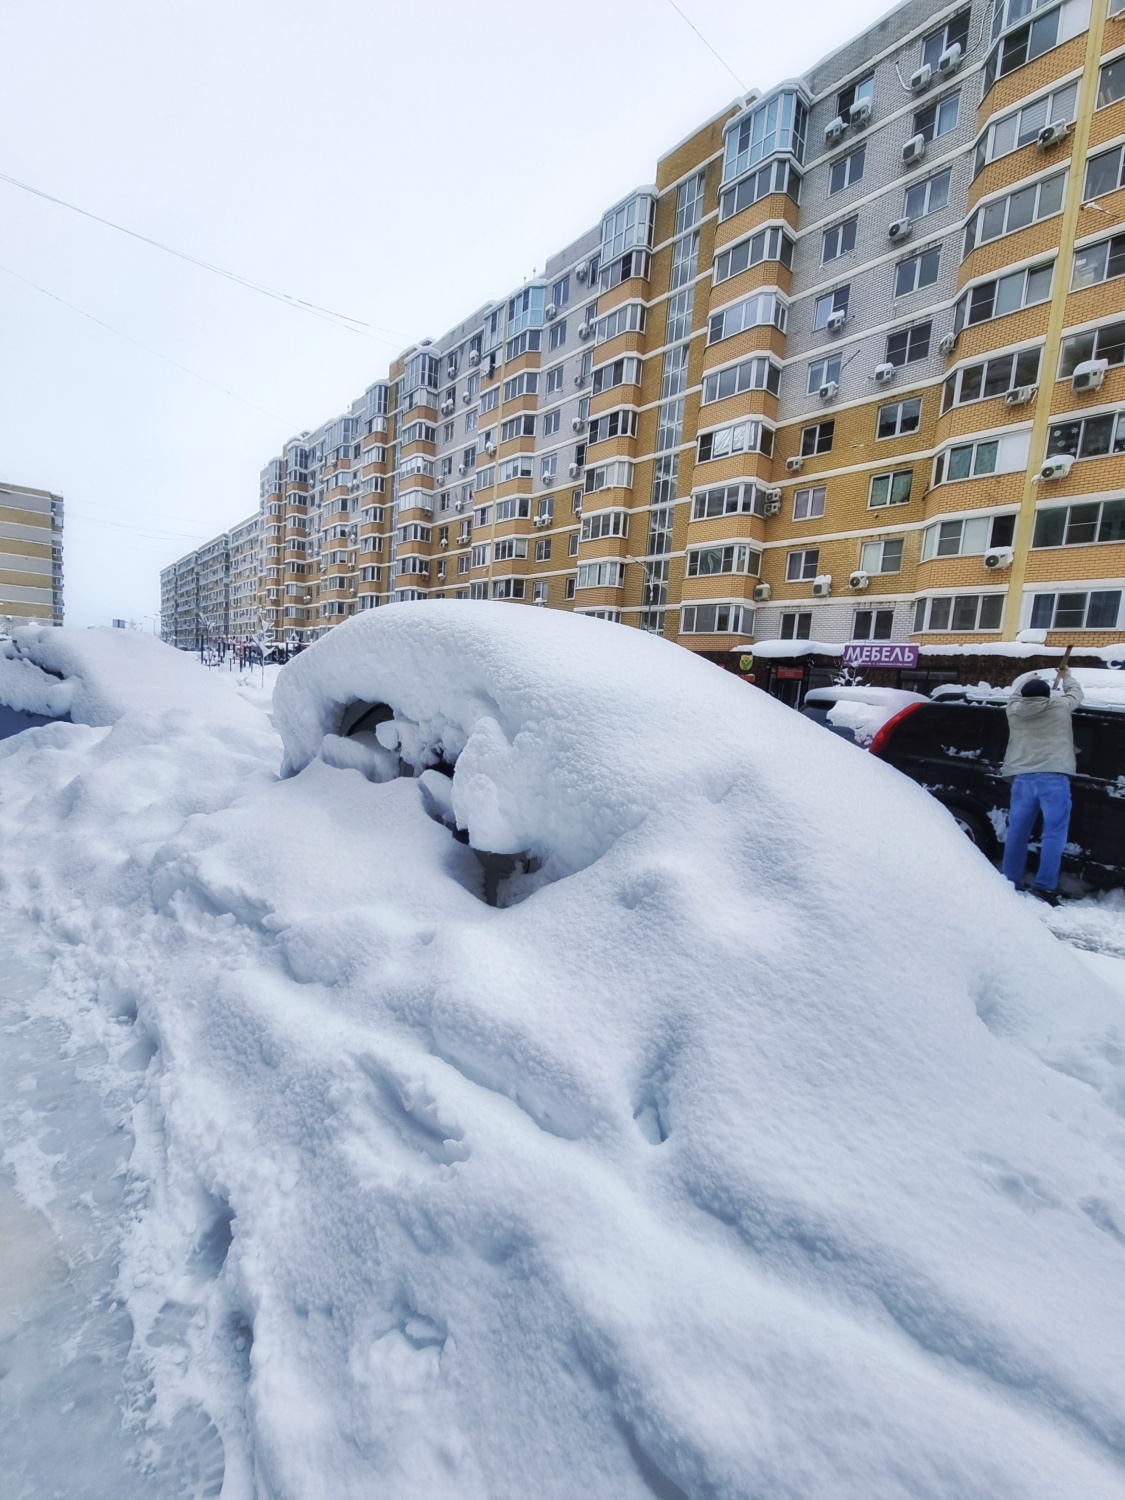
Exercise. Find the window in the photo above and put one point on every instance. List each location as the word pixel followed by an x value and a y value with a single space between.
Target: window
pixel 927 197
pixel 776 177
pixel 605 523
pixel 689 203
pixel 447 434
pixel 769 244
pixel 919 271
pixel 606 574
pixel 539 590
pixel 557 337
pixel 992 377
pixel 525 309
pixel 543 549
pixel 1097 263
pixel 611 424
pixel 1099 343
pixel 1097 610
pixel 846 171
pixel 1111 83
pixel 839 240
pixel 971 537
pixel 507 588
pixel 548 468
pixel 994 299
pixel 751 375
pixel 511 547
pixel 716 619
pixel 899 418
pixel 515 468
pixel 1004 455
pixel 627 226
pixel 624 371
pixel 528 342
pixel 553 382
pixel 1080 525
pixel 959 612
pixel 1091 437
pixel 703 562
pixel 526 384
pixel 518 508
pixel 909 344
pixel 480 554
pixel 802 566
pixel 517 427
pixel 808 504
pixel 551 423
pixel 414 432
pixel 560 292
pixel 890 489
pixel 863 88
pixel 569 589
pixel 490 400
pixel 630 317
pixel 482 515
pixel 872 624
pixel 1039 200
pixel 777 125
pixel 727 500
pixel 796 627
pixel 881 557
pixel 618 474
pixel 752 312
pixel 823 372
pixel 817 439
pixel 831 302
pixel 1022 45
pixel 740 437
pixel 1021 127
pixel 937 119
pixel 635 263
pixel 953 33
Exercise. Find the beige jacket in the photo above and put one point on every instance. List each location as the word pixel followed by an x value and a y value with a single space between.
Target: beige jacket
pixel 1040 733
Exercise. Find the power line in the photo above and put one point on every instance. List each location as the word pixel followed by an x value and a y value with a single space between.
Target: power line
pixel 709 47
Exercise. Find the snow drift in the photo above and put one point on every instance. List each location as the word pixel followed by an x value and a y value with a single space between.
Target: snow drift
pixel 770 1146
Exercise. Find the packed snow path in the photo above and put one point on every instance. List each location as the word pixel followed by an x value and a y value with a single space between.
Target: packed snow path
pixel 767 1147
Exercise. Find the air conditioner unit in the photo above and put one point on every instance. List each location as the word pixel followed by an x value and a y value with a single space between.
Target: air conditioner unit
pixel 1056 468
pixel 550 311
pixel 773 495
pixel 836 321
pixel 795 464
pixel 762 593
pixel 581 272
pixel 1051 135
pixel 834 130
pixel 459 505
pixel 580 379
pixel 899 229
pixel 883 373
pixel 771 508
pixel 828 390
pixel 446 408
pixel 474 356
pixel 1021 395
pixel 859 580
pixel 1089 375
pixel 920 78
pixel 859 114
pixel 574 470
pixel 462 469
pixel 998 557
pixel 914 150
pixel 946 343
pixel 585 330
pixel 490 449
pixel 822 586
pixel 578 424
pixel 539 521
pixel 466 397
pixel 950 60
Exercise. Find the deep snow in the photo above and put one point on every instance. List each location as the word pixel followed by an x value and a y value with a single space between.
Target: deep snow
pixel 766 1145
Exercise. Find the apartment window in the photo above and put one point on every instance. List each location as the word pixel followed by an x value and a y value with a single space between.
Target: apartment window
pixel 752 312
pixel 890 489
pixel 768 244
pixel 611 424
pixel 525 384
pixel 808 504
pixel 801 567
pixel 447 433
pixel 1091 437
pixel 756 374
pixel 517 427
pixel 637 263
pixel 482 515
pixel 739 437
pixel 548 468
pixel 560 292
pixel 704 562
pixel 937 119
pixel 1024 44
pixel 839 240
pixel 919 271
pixel 881 557
pixel 490 400
pixel 553 381
pixel 846 171
pixel 685 260
pixel 725 500
pixel 823 372
pixel 572 544
pixel 994 299
pixel 1099 343
pixel 557 336
pixel 927 197
pixel 959 612
pixel 618 474
pixel 777 125
pixel 630 317
pixel 796 627
pixel 480 554
pixel 515 468
pixel 625 371
pixel 543 549
pixel 992 377
pixel 511 547
pixel 507 588
pixel 689 203
pixel 954 32
pixel 863 88
pixel 1039 200
pixel 551 423
pixel 1080 525
pixel 716 619
pixel 899 418
pixel 776 177
pixel 1097 610
pixel 518 508
pixel 606 574
pixel 872 624
pixel 680 309
pixel 1111 83
pixel 817 439
pixel 1004 455
pixel 605 523
pixel 528 342
pixel 831 302
pixel 1097 263
pixel 908 345
pixel 1020 128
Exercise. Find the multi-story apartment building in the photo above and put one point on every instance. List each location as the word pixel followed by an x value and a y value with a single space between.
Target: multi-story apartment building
pixel 851 368
pixel 211 594
pixel 31 556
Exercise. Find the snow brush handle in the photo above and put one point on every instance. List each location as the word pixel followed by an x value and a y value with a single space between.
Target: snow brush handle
pixel 1063 665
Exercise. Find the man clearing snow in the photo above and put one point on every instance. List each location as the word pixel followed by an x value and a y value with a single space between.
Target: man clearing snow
pixel 1041 759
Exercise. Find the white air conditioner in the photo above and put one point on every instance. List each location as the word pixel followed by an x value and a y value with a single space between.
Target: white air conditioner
pixel 920 78
pixel 773 497
pixel 946 343
pixel 828 390
pixel 1051 135
pixel 574 470
pixel 462 469
pixel 822 586
pixel 459 505
pixel 762 593
pixel 1021 395
pixel 859 580
pixel 550 311
pixel 578 424
pixel 771 508
pixel 998 557
pixel 950 60
pixel 580 379
pixel 795 464
pixel 541 521
pixel 444 542
pixel 914 150
pixel 883 373
pixel 581 272
pixel 834 130
pixel 585 330
pixel 446 408
pixel 466 397
pixel 1089 375
pixel 490 449
pixel 1056 468
pixel 899 229
pixel 474 357
pixel 859 114
pixel 836 321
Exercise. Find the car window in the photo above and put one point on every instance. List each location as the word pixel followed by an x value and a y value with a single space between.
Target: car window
pixel 965 731
pixel 1099 745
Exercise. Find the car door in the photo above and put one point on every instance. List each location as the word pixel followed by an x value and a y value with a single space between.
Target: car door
pixel 1097 819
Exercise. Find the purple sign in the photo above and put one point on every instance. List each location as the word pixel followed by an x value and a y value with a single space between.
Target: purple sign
pixel 880 654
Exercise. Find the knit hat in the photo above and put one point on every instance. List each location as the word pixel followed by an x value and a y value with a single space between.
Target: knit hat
pixel 1035 687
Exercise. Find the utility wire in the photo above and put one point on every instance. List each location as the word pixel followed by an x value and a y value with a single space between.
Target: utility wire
pixel 709 47
pixel 343 320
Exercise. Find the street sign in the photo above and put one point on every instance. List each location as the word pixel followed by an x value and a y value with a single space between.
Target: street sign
pixel 880 654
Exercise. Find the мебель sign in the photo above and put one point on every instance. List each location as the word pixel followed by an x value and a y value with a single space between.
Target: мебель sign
pixel 880 654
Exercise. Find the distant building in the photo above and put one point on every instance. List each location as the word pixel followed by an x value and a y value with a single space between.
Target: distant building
pixel 31 561
pixel 211 594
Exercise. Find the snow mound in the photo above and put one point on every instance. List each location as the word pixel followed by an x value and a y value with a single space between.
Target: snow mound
pixel 771 1147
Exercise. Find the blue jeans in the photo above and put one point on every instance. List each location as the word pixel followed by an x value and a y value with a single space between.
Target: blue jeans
pixel 1051 792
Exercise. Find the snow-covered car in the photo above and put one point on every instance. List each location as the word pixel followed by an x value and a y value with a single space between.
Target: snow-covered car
pixel 854 712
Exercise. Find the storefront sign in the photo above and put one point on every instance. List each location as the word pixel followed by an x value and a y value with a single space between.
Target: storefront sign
pixel 880 654
pixel 746 663
pixel 790 674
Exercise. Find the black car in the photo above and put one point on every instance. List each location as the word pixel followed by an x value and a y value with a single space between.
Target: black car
pixel 955 748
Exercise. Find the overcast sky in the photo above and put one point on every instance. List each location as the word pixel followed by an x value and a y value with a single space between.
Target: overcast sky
pixel 401 163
